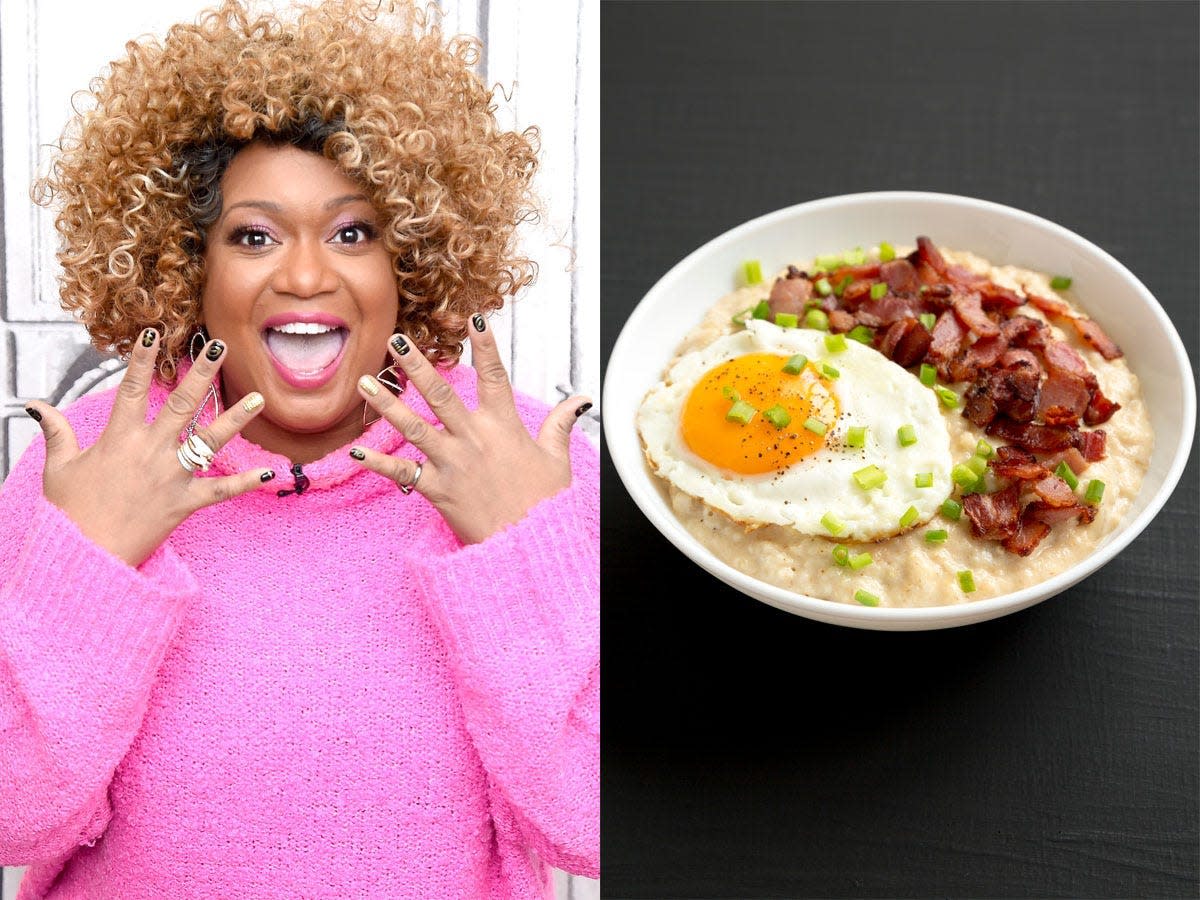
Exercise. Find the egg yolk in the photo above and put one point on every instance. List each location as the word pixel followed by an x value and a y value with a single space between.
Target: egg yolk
pixel 758 446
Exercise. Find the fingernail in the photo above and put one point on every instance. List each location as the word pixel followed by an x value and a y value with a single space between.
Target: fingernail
pixel 252 402
pixel 215 349
pixel 479 321
pixel 357 454
pixel 33 414
pixel 583 409
pixel 148 337
pixel 266 476
pixel 399 344
pixel 369 384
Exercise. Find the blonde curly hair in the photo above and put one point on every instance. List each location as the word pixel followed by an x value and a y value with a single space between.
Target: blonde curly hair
pixel 373 88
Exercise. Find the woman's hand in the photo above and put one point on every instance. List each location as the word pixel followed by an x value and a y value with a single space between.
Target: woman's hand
pixel 128 491
pixel 482 471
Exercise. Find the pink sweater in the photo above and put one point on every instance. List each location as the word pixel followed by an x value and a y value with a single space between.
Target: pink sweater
pixel 298 685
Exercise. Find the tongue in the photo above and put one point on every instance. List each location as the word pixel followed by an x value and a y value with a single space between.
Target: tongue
pixel 305 354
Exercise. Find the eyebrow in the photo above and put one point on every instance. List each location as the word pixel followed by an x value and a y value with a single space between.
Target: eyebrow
pixel 276 208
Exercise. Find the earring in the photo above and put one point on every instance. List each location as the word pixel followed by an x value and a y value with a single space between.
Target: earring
pixel 394 380
pixel 195 345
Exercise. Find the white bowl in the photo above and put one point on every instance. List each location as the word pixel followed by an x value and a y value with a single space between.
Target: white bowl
pixel 1110 294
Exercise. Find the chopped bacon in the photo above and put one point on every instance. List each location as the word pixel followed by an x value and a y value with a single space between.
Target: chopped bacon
pixel 1094 336
pixel 1063 399
pixel 868 271
pixel 995 297
pixel 1055 515
pixel 930 255
pixel 994 516
pixel 1038 438
pixel 1055 309
pixel 948 335
pixel 1063 358
pixel 888 309
pixel 971 314
pixel 1091 444
pixel 983 354
pixel 1071 456
pixel 856 291
pixel 1054 491
pixel 1099 409
pixel 1024 331
pixel 906 342
pixel 840 321
pixel 964 277
pixel 788 295
pixel 1028 535
pixel 1017 464
pixel 900 276
pixel 979 403
pixel 1016 384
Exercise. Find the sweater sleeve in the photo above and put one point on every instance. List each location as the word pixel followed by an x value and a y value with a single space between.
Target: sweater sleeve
pixel 81 638
pixel 520 615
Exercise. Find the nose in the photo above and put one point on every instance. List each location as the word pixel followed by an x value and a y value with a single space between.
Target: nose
pixel 305 270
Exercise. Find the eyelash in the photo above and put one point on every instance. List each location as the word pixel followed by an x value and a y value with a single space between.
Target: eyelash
pixel 238 236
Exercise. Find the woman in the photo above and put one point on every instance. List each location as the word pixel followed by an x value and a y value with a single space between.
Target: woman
pixel 228 646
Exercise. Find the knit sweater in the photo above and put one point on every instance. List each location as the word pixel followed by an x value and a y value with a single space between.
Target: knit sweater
pixel 314 695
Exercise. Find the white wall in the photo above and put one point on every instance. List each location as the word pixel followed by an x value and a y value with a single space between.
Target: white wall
pixel 546 51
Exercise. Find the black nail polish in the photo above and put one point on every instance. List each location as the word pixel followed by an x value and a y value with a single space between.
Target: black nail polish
pixel 399 344
pixel 266 476
pixel 215 349
pixel 357 454
pixel 148 337
pixel 583 409
pixel 479 321
pixel 33 414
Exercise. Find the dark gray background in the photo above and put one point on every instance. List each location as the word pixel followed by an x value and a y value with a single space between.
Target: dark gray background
pixel 752 753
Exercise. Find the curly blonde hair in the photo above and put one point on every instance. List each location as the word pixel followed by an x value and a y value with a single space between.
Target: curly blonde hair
pixel 376 90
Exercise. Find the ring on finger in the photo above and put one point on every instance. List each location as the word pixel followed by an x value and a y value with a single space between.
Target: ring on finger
pixel 407 489
pixel 194 455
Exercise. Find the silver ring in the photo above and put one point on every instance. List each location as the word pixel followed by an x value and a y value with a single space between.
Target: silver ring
pixel 194 455
pixel 407 489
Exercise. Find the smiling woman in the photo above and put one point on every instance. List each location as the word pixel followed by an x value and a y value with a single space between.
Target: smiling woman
pixel 206 674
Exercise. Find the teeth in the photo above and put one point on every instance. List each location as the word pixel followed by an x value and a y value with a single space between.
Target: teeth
pixel 303 328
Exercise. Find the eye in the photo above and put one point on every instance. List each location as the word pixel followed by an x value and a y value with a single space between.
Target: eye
pixel 251 237
pixel 354 233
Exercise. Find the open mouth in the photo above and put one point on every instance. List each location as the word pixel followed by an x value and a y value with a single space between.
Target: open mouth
pixel 306 353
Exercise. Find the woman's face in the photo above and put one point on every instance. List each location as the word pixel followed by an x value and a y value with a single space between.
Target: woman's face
pixel 300 288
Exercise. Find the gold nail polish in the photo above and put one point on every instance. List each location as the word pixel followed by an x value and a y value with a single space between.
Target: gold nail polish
pixel 368 384
pixel 252 402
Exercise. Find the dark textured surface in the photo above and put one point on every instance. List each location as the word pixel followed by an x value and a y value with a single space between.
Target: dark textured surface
pixel 1053 753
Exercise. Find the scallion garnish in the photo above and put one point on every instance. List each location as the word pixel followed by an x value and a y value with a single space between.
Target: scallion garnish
pixel 832 524
pixel 866 598
pixel 906 435
pixel 787 320
pixel 795 365
pixel 856 436
pixel 860 561
pixel 816 426
pixel 984 449
pixel 923 479
pixel 741 412
pixel 886 252
pixel 870 477
pixel 777 416
pixel 928 375
pixel 928 320
pixel 951 509
pixel 937 536
pixel 963 475
pixel 977 464
pixel 948 397
pixel 829 261
pixel 730 394
pixel 840 287
pixel 966 581
pixel 878 290
pixel 762 310
pixel 829 371
pixel 862 334
pixel 1060 282
pixel 1094 493
pixel 841 554
pixel 835 343
pixel 741 317
pixel 816 318
pixel 1067 474
pixel 753 270
pixel 910 515
pixel 855 257
pixel 823 287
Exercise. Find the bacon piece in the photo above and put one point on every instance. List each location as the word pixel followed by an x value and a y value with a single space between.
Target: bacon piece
pixel 840 321
pixel 979 403
pixel 930 255
pixel 970 313
pixel 994 516
pixel 1091 444
pixel 900 276
pixel 1071 456
pixel 1024 331
pixel 888 309
pixel 1063 358
pixel 1099 409
pixel 964 277
pixel 1015 463
pixel 1063 399
pixel 788 295
pixel 1094 335
pixel 868 271
pixel 983 354
pixel 906 342
pixel 856 292
pixel 1054 491
pixel 948 335
pixel 1055 309
pixel 995 297
pixel 1055 515
pixel 1016 384
pixel 1028 535
pixel 1037 438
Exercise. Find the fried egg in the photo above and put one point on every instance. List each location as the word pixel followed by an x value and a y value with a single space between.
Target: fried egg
pixel 770 439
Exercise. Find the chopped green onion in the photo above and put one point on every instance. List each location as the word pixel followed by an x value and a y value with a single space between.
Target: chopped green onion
pixel 762 310
pixel 740 318
pixel 816 426
pixel 865 598
pixel 906 435
pixel 862 334
pixel 1060 282
pixel 910 515
pixel 840 287
pixel 928 375
pixel 796 364
pixel 928 320
pixel 886 252
pixel 835 343
pixel 952 509
pixel 878 290
pixel 730 394
pixel 829 261
pixel 787 320
pixel 870 477
pixel 966 581
pixel 984 449
pixel 979 487
pixel 860 561
pixel 937 536
pixel 741 412
pixel 841 554
pixel 1067 474
pixel 855 257
pixel 923 479
pixel 816 318
pixel 777 416
pixel 829 371
pixel 964 476
pixel 856 436
pixel 753 270
pixel 823 287
pixel 948 397
pixel 832 524
pixel 1094 493
pixel 977 464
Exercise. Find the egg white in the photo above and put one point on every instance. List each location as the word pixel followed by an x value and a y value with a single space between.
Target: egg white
pixel 872 391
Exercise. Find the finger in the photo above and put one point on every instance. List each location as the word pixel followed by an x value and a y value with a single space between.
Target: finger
pixel 415 429
pixel 60 437
pixel 183 402
pixel 209 491
pixel 230 422
pixel 129 407
pixel 555 433
pixel 398 469
pixel 438 393
pixel 495 390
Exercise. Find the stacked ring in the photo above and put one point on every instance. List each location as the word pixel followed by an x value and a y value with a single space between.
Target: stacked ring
pixel 407 489
pixel 194 455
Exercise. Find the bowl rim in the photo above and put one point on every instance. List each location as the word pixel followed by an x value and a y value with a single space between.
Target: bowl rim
pixel 892 618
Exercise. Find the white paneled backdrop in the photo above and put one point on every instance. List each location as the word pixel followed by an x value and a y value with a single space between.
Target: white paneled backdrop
pixel 543 53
